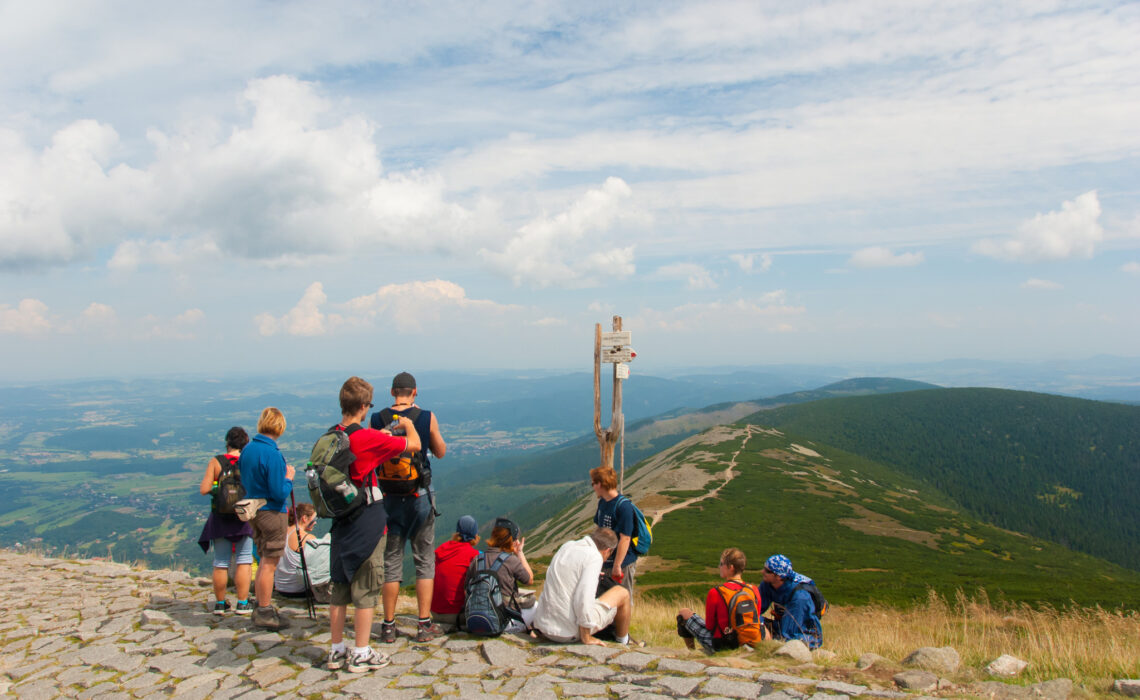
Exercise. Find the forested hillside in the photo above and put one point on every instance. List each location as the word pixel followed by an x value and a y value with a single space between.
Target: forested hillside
pixel 1063 469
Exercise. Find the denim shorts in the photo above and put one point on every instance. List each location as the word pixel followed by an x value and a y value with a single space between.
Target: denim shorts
pixel 242 550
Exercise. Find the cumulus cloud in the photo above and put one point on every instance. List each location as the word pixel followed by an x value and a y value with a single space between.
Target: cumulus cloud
pixel 306 318
pixel 563 250
pixel 752 262
pixel 1072 232
pixel 695 276
pixel 1132 268
pixel 29 317
pixel 181 327
pixel 880 256
pixel 297 180
pixel 1034 283
pixel 410 307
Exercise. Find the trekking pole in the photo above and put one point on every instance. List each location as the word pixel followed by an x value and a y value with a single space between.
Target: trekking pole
pixel 304 566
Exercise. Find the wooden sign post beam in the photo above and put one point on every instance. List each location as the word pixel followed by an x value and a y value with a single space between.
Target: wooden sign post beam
pixel 613 348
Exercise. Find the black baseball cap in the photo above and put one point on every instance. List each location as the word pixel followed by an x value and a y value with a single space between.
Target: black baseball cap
pixel 509 525
pixel 403 380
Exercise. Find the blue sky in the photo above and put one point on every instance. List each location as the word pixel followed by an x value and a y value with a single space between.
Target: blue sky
pixel 277 186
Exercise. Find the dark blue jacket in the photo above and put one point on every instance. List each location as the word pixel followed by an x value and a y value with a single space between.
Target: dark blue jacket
pixel 263 473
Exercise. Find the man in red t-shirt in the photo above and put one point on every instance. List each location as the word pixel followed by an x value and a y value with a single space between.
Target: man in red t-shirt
pixel 715 631
pixel 357 557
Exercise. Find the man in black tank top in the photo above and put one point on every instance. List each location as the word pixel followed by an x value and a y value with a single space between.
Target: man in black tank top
pixel 411 517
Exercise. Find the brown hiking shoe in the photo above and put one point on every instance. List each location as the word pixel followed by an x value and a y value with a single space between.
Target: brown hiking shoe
pixel 268 618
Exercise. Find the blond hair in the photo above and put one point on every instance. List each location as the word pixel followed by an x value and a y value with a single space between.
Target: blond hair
pixel 271 423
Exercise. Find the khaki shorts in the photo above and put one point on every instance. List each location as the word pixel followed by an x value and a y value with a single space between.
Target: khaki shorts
pixel 364 591
pixel 269 531
pixel 600 616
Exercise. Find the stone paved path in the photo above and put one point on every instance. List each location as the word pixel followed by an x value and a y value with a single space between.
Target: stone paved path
pixel 88 629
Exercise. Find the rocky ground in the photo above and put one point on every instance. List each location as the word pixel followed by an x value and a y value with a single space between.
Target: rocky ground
pixel 90 629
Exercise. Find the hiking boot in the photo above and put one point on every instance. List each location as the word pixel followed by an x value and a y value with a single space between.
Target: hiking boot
pixel 388 632
pixel 221 607
pixel 336 660
pixel 428 632
pixel 268 618
pixel 368 662
pixel 244 608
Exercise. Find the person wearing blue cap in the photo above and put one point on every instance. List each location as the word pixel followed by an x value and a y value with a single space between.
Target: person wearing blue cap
pixel 792 605
pixel 451 561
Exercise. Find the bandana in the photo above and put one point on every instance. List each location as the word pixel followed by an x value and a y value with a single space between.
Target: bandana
pixel 780 565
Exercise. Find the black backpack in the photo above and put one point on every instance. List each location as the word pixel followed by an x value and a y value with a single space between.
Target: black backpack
pixel 407 472
pixel 485 609
pixel 229 489
pixel 816 597
pixel 330 489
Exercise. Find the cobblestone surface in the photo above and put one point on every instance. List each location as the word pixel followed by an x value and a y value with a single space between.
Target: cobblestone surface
pixel 89 629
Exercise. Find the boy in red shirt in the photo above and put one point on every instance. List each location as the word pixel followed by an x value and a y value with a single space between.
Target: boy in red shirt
pixel 451 561
pixel 357 557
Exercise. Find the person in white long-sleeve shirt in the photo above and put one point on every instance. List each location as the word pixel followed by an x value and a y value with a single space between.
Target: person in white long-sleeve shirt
pixel 569 609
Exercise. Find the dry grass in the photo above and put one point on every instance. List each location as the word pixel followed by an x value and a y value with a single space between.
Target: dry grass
pixel 1089 645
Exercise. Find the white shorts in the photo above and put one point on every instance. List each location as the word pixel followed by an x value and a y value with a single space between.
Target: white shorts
pixel 600 616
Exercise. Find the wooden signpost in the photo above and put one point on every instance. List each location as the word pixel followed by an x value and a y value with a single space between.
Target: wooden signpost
pixel 613 347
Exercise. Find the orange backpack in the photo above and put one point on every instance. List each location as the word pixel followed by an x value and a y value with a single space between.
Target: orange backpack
pixel 743 612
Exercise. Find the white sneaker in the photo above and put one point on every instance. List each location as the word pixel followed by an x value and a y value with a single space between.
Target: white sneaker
pixel 336 660
pixel 368 662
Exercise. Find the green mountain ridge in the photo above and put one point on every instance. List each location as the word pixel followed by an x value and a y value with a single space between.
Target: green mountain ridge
pixel 864 530
pixel 1060 468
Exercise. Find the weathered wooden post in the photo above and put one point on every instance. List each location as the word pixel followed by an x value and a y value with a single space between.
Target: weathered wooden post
pixel 613 347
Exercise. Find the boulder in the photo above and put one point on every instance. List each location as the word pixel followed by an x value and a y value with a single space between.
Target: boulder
pixel 1006 665
pixel 795 649
pixel 937 659
pixel 922 681
pixel 824 655
pixel 1056 689
pixel 1127 686
pixel 870 659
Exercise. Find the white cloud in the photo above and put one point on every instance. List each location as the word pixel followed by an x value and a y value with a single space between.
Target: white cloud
pixel 297 180
pixel 305 318
pixel 412 307
pixel 695 276
pixel 1034 283
pixel 770 311
pixel 879 256
pixel 1072 232
pixel 181 327
pixel 748 263
pixel 1132 268
pixel 29 317
pixel 567 249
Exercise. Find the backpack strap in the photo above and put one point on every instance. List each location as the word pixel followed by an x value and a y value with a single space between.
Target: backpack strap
pixel 498 560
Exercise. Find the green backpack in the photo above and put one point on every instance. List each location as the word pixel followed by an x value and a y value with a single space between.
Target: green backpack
pixel 330 489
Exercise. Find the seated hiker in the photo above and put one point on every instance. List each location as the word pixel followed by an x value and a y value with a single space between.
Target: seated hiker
pixel 568 611
pixel 732 615
pixel 451 560
pixel 289 579
pixel 231 537
pixel 792 606
pixel 506 546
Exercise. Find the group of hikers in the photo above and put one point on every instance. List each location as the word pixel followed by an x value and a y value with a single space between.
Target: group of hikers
pixel 375 484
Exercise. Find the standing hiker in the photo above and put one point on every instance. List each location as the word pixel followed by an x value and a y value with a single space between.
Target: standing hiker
pixel 230 537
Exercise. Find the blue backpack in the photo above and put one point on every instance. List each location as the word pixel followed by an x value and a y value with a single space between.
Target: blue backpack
pixel 643 533
pixel 485 608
